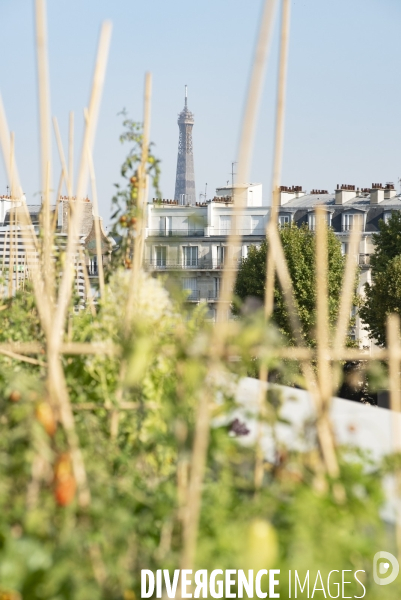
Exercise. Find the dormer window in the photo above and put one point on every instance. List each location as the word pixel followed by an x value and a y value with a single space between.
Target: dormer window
pixel 312 220
pixel 352 221
pixel 283 220
pixel 387 216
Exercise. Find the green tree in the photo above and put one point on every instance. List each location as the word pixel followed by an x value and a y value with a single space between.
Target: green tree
pixel 383 295
pixel 299 249
pixel 125 200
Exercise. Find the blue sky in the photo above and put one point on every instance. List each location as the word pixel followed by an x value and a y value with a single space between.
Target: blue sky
pixel 342 119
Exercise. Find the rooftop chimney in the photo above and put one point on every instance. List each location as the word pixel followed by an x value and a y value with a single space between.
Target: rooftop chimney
pixel 289 193
pixel 389 191
pixel 344 193
pixel 376 193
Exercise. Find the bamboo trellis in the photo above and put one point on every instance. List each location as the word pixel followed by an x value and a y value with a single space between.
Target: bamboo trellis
pixel 53 305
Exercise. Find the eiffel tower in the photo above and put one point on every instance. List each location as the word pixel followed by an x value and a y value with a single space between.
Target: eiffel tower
pixel 185 178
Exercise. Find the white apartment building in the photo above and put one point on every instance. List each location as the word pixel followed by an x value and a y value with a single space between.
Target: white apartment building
pixel 191 241
pixel 17 249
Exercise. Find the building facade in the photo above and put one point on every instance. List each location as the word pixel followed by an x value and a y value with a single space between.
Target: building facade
pixel 348 207
pixel 17 248
pixel 190 242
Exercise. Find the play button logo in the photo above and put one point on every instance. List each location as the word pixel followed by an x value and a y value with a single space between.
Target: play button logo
pixel 385 563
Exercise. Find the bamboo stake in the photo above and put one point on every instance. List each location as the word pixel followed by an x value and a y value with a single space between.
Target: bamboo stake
pixel 344 312
pixel 71 151
pixel 65 171
pixel 15 220
pixel 48 273
pixel 16 247
pixel 277 163
pixel 198 462
pixel 351 266
pixel 12 219
pixel 97 224
pixel 22 358
pixel 323 364
pixel 27 230
pixel 87 283
pixel 56 379
pixel 325 438
pixel 393 345
pixel 322 309
pixel 58 389
pixel 58 200
pixel 65 289
pixel 296 353
pixel 24 278
pixel 43 89
pixel 12 166
pixel 4 253
pixel 45 146
pixel 278 150
pixel 56 374
pixel 11 255
pixel 247 135
pixel 137 259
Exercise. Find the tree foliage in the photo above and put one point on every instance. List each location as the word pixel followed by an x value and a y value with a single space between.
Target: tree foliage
pixel 125 200
pixel 299 249
pixel 383 295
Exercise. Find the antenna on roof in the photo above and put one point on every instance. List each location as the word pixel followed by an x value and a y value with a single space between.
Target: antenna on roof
pixel 232 176
pixel 203 195
pixel 186 96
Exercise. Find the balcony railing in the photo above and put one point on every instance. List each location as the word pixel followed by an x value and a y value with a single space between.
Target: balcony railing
pixel 201 232
pixel 176 233
pixel 197 295
pixel 242 232
pixel 201 264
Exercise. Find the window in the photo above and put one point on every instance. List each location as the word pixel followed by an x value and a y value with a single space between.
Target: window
pixel 312 220
pixel 191 285
pixel 221 255
pixel 216 288
pixel 351 222
pixel 161 256
pixel 283 220
pixel 165 225
pixel 257 224
pixel 190 254
pixel 387 216
pixel 344 248
pixel 93 265
pixel 225 225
